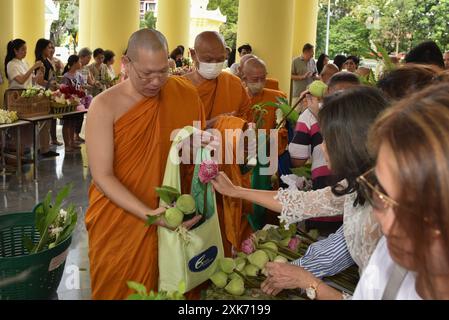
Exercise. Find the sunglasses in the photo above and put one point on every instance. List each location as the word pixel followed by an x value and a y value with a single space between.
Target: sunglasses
pixel 374 193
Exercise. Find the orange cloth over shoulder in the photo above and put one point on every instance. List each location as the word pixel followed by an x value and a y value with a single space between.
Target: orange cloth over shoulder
pixel 272 84
pixel 233 212
pixel 121 247
pixel 223 95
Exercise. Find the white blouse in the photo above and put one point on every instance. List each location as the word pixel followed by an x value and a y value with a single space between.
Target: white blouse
pixel 376 275
pixel 361 230
pixel 16 68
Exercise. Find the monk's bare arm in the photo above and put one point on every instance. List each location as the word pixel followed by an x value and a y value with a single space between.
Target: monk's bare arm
pixel 100 151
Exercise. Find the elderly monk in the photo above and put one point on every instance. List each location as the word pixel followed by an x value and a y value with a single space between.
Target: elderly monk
pixel 128 141
pixel 254 76
pixel 221 92
pixel 270 83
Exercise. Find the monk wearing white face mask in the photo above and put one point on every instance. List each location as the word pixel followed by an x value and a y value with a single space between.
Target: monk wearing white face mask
pixel 222 93
pixel 254 76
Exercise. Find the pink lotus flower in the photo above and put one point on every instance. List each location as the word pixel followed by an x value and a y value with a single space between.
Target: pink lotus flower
pixel 208 171
pixel 248 246
pixel 294 244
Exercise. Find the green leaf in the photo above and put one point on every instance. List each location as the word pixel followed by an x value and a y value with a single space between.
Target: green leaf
pixel 152 220
pixel 168 194
pixel 140 288
pixel 28 244
pixel 40 218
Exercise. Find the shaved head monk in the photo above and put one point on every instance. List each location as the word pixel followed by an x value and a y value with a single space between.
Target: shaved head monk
pixel 128 140
pixel 221 92
pixel 254 74
pixel 270 83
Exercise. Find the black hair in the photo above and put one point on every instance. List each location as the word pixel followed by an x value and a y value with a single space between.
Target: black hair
pixel 41 44
pixel 98 52
pixel 84 52
pixel 70 62
pixel 426 52
pixel 320 62
pixel 177 51
pixel 246 47
pixel 342 76
pixel 355 59
pixel 345 120
pixel 181 47
pixel 307 47
pixel 339 60
pixel 401 82
pixel 10 53
pixel 108 56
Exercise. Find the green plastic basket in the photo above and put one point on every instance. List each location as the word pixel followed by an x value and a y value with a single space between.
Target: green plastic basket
pixel 43 270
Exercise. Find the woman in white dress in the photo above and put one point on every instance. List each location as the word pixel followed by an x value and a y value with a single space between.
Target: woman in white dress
pixel 408 192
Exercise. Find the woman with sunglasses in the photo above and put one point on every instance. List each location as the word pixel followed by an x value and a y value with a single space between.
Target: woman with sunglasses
pixel 344 121
pixel 408 190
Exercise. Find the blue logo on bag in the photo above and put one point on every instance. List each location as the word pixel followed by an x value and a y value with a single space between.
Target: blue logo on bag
pixel 203 261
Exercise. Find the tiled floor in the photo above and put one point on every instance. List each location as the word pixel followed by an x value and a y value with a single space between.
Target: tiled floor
pixel 53 175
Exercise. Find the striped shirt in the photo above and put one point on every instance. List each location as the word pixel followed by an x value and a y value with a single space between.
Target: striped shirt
pixel 327 257
pixel 306 144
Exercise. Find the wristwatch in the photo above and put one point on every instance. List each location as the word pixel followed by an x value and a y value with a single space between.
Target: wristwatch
pixel 311 291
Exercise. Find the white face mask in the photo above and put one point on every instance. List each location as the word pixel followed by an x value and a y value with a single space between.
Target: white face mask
pixel 255 87
pixel 210 71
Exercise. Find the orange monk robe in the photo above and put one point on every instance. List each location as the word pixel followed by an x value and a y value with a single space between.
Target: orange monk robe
pixel 272 84
pixel 233 212
pixel 223 95
pixel 268 95
pixel 121 247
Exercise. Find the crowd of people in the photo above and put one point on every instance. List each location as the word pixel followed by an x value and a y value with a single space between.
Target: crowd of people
pixel 379 158
pixel 48 72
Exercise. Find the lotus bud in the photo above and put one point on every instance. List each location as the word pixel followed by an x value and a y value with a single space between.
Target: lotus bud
pixel 235 287
pixel 294 244
pixel 220 279
pixel 269 245
pixel 258 258
pixel 285 242
pixel 271 255
pixel 251 270
pixel 240 263
pixel 173 217
pixel 248 246
pixel 234 275
pixel 208 171
pixel 226 265
pixel 280 259
pixel 186 203
pixel 318 89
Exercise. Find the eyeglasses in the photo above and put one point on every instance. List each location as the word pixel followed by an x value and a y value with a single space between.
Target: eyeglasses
pixel 153 75
pixel 374 192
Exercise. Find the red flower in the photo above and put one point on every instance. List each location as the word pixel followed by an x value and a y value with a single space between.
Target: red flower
pixel 208 171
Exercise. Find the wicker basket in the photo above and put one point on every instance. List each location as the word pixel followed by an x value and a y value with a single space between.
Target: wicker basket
pixel 30 107
pixel 43 270
pixel 59 108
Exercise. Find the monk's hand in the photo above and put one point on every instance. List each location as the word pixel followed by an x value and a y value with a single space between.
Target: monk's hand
pixel 190 223
pixel 223 185
pixel 186 224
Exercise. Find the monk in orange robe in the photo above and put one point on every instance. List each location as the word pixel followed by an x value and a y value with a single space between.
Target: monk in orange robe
pixel 270 83
pixel 128 141
pixel 221 92
pixel 233 212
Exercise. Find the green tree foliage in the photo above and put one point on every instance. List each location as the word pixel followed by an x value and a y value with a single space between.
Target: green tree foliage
pixel 396 25
pixel 229 8
pixel 67 25
pixel 149 21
